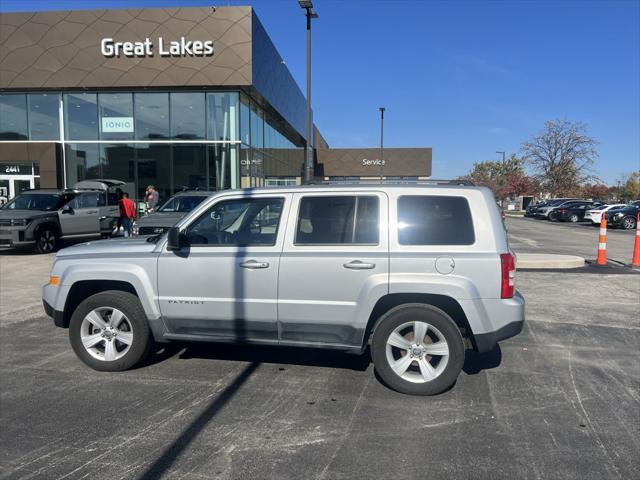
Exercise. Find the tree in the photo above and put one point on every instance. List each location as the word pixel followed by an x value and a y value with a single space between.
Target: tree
pixel 504 178
pixel 561 156
pixel 631 188
pixel 597 191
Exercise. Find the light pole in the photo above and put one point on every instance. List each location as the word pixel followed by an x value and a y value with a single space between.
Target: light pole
pixel 381 141
pixel 307 5
pixel 503 154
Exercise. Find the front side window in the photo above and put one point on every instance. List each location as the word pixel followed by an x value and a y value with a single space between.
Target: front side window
pixel 241 222
pixel 182 204
pixel 37 201
pixel 338 220
pixel 434 220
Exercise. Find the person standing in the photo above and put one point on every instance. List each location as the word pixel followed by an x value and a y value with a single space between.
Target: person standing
pixel 127 213
pixel 152 198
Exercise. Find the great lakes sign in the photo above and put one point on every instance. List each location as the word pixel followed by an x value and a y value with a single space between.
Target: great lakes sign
pixel 165 48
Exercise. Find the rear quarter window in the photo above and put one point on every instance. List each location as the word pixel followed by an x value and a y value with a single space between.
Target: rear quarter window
pixel 434 220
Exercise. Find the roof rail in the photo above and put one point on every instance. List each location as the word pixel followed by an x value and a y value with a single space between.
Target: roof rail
pixel 395 182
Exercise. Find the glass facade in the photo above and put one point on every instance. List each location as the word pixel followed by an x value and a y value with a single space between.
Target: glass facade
pixel 174 140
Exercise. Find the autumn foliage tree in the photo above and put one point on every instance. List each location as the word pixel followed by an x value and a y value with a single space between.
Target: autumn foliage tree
pixel 505 178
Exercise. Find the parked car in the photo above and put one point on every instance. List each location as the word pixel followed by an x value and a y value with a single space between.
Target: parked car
pixel 625 217
pixel 573 212
pixel 533 207
pixel 544 211
pixel 42 218
pixel 168 214
pixel 334 266
pixel 594 215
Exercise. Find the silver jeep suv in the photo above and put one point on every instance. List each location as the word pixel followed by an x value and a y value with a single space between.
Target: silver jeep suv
pixel 417 272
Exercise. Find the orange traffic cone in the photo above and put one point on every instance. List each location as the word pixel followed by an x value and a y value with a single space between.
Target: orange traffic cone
pixel 635 260
pixel 602 241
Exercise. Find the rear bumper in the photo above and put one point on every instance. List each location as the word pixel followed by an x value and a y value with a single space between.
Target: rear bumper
pixel 509 315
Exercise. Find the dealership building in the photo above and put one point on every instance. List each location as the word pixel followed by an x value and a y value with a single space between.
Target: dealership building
pixel 178 98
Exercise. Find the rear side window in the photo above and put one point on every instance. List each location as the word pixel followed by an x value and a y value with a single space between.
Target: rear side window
pixel 434 220
pixel 338 220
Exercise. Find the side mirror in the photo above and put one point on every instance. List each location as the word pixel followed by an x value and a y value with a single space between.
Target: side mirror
pixel 67 209
pixel 176 239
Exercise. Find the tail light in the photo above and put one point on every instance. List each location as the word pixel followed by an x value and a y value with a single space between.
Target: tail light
pixel 563 210
pixel 508 267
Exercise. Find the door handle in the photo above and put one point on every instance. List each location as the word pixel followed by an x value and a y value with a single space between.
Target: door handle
pixel 253 264
pixel 358 265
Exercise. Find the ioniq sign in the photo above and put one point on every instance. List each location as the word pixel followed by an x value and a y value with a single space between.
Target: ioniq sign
pixel 117 124
pixel 165 48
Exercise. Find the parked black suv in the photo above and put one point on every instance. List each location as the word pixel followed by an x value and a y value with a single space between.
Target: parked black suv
pixel 574 212
pixel 41 218
pixel 168 214
pixel 626 217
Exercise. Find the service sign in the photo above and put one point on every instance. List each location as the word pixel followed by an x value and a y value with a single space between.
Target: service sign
pixel 164 48
pixel 117 124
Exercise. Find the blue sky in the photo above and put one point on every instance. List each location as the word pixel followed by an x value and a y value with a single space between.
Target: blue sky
pixel 466 78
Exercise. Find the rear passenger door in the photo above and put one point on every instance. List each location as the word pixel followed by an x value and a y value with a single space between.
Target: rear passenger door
pixel 83 217
pixel 335 260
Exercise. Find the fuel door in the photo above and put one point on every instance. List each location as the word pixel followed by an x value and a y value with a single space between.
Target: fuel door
pixel 445 265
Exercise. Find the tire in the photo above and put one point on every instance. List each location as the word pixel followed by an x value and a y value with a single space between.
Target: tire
pixel 126 343
pixel 628 223
pixel 46 240
pixel 398 326
pixel 552 217
pixel 573 218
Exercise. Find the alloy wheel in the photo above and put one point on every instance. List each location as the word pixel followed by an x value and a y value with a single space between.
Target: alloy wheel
pixel 629 223
pixel 106 334
pixel 417 352
pixel 47 241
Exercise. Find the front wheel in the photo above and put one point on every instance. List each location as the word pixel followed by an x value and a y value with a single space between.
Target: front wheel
pixel 46 240
pixel 417 349
pixel 109 331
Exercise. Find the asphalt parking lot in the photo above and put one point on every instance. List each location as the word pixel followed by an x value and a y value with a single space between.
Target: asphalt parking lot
pixel 559 401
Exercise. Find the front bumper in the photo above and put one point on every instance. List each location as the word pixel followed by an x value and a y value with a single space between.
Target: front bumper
pixel 15 237
pixel 58 317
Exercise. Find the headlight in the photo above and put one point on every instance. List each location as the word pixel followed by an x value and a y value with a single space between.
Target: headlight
pixel 19 222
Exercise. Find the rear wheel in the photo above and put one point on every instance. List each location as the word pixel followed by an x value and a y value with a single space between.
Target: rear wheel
pixel 417 349
pixel 109 331
pixel 573 218
pixel 46 240
pixel 629 223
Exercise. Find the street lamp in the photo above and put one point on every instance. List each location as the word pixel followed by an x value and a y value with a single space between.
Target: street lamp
pixel 381 141
pixel 307 5
pixel 503 154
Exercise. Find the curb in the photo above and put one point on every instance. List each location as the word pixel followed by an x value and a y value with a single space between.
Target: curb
pixel 547 261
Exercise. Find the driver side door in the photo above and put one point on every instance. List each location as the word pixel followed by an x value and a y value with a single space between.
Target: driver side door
pixel 224 283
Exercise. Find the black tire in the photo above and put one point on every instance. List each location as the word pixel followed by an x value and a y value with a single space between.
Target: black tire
pixel 433 316
pixel 552 217
pixel 129 305
pixel 628 223
pixel 46 240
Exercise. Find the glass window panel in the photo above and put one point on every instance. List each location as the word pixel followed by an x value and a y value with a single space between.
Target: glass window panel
pixel 151 115
pixel 13 116
pixel 221 158
pixel 118 162
pixel 44 119
pixel 238 222
pixel 325 220
pixel 116 116
pixel 189 167
pixel 187 115
pixel 257 126
pixel 434 220
pixel 222 120
pixel 83 162
pixel 154 168
pixel 81 116
pixel 245 119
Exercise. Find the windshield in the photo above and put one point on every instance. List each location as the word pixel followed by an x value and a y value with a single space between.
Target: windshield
pixel 38 201
pixel 182 203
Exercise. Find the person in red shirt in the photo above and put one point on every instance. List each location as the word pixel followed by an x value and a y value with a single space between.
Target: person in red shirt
pixel 127 213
